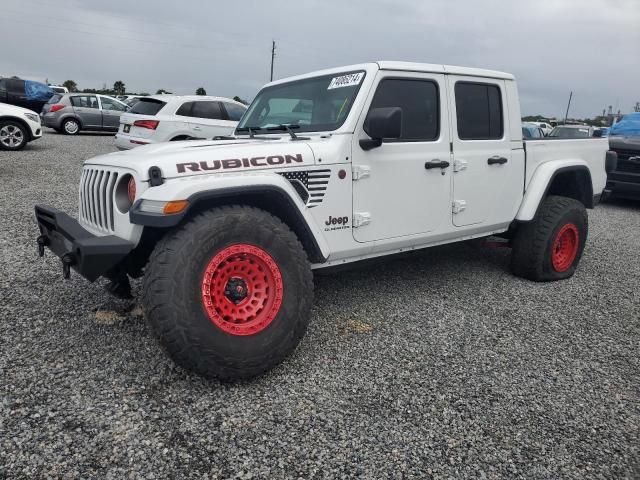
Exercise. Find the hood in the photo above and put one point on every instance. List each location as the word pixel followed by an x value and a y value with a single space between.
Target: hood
pixel 7 109
pixel 181 159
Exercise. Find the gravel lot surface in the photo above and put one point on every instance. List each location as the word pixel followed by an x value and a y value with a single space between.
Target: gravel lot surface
pixel 436 365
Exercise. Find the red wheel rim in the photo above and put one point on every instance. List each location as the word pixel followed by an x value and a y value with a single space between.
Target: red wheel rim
pixel 565 248
pixel 242 289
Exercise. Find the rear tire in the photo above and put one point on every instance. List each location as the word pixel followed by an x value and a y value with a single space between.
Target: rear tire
pixel 13 135
pixel 71 126
pixel 194 285
pixel 550 246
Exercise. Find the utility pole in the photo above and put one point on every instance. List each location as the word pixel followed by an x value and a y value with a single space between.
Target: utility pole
pixel 566 115
pixel 273 55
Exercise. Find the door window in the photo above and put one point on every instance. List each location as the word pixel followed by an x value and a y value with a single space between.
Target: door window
pixel 110 104
pixel 210 110
pixel 478 111
pixel 420 106
pixel 234 111
pixel 84 101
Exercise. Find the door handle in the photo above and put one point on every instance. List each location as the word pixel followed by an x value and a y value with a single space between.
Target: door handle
pixel 436 164
pixel 497 159
pixel 196 127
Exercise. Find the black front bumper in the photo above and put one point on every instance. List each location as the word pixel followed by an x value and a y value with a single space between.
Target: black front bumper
pixel 623 184
pixel 89 255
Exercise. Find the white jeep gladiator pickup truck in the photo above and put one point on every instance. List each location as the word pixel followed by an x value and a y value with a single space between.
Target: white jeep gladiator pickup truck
pixel 323 169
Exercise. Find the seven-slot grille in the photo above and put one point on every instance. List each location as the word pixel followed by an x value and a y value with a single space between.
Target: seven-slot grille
pixel 311 185
pixel 625 164
pixel 96 198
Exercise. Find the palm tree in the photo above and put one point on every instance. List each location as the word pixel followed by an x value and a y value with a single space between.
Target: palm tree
pixel 119 87
pixel 201 91
pixel 70 85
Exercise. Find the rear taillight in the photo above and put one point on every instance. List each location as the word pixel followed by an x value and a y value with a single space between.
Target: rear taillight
pixel 150 124
pixel 56 107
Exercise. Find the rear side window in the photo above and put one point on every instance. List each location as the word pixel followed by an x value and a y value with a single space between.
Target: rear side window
pixel 84 101
pixel 185 109
pixel 210 110
pixel 234 111
pixel 420 106
pixel 479 111
pixel 147 106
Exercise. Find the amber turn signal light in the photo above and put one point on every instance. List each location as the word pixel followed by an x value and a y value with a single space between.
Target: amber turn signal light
pixel 176 206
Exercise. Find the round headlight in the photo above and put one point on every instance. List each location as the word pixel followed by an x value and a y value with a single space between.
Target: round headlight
pixel 131 190
pixel 125 193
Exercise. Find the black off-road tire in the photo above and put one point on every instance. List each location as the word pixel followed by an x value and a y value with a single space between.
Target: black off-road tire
pixel 533 243
pixel 173 299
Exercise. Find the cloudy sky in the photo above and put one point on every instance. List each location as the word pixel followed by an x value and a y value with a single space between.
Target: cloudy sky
pixel 552 46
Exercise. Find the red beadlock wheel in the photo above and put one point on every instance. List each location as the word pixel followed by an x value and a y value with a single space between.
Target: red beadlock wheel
pixel 242 289
pixel 565 248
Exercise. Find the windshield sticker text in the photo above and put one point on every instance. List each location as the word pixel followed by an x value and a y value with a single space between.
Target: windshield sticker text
pixel 238 163
pixel 346 80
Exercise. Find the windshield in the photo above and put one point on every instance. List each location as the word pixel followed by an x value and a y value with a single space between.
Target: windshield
pixel 569 132
pixel 313 104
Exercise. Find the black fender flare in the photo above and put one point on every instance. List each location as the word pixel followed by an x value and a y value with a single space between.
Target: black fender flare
pixel 210 198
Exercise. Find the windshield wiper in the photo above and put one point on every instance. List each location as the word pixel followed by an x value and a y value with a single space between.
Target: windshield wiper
pixel 251 130
pixel 289 130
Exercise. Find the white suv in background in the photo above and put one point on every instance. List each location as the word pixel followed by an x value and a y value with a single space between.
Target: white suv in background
pixel 18 126
pixel 164 118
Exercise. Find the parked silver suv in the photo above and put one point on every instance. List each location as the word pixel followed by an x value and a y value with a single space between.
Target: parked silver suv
pixel 72 112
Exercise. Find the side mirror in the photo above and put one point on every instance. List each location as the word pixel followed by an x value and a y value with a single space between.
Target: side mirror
pixel 382 123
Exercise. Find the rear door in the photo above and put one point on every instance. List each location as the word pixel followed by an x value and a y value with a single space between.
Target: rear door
pixel 398 190
pixel 486 180
pixel 87 108
pixel 111 112
pixel 208 119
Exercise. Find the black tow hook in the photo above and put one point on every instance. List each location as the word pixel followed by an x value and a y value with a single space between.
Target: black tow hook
pixel 43 241
pixel 68 260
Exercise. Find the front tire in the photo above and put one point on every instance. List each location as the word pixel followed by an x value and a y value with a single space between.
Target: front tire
pixel 71 126
pixel 229 293
pixel 550 246
pixel 13 136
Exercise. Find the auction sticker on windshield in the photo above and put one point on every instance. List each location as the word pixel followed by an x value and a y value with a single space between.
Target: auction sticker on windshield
pixel 346 80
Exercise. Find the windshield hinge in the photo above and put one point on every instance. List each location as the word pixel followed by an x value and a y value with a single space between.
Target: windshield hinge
pixel 360 171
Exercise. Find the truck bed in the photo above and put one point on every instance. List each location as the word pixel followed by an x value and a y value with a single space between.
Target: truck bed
pixel 590 150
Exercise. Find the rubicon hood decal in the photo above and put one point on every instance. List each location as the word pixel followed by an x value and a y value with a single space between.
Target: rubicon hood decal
pixel 246 162
pixel 199 157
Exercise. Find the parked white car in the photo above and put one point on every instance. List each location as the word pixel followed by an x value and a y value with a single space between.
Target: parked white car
pixel 164 118
pixel 18 126
pixel 545 127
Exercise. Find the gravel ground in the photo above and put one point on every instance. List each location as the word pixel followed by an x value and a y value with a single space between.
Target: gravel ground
pixel 436 365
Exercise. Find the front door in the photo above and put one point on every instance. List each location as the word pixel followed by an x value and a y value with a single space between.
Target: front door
pixel 402 187
pixel 488 177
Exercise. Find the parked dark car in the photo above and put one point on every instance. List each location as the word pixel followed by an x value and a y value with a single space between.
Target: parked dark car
pixel 72 112
pixel 624 140
pixel 24 93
